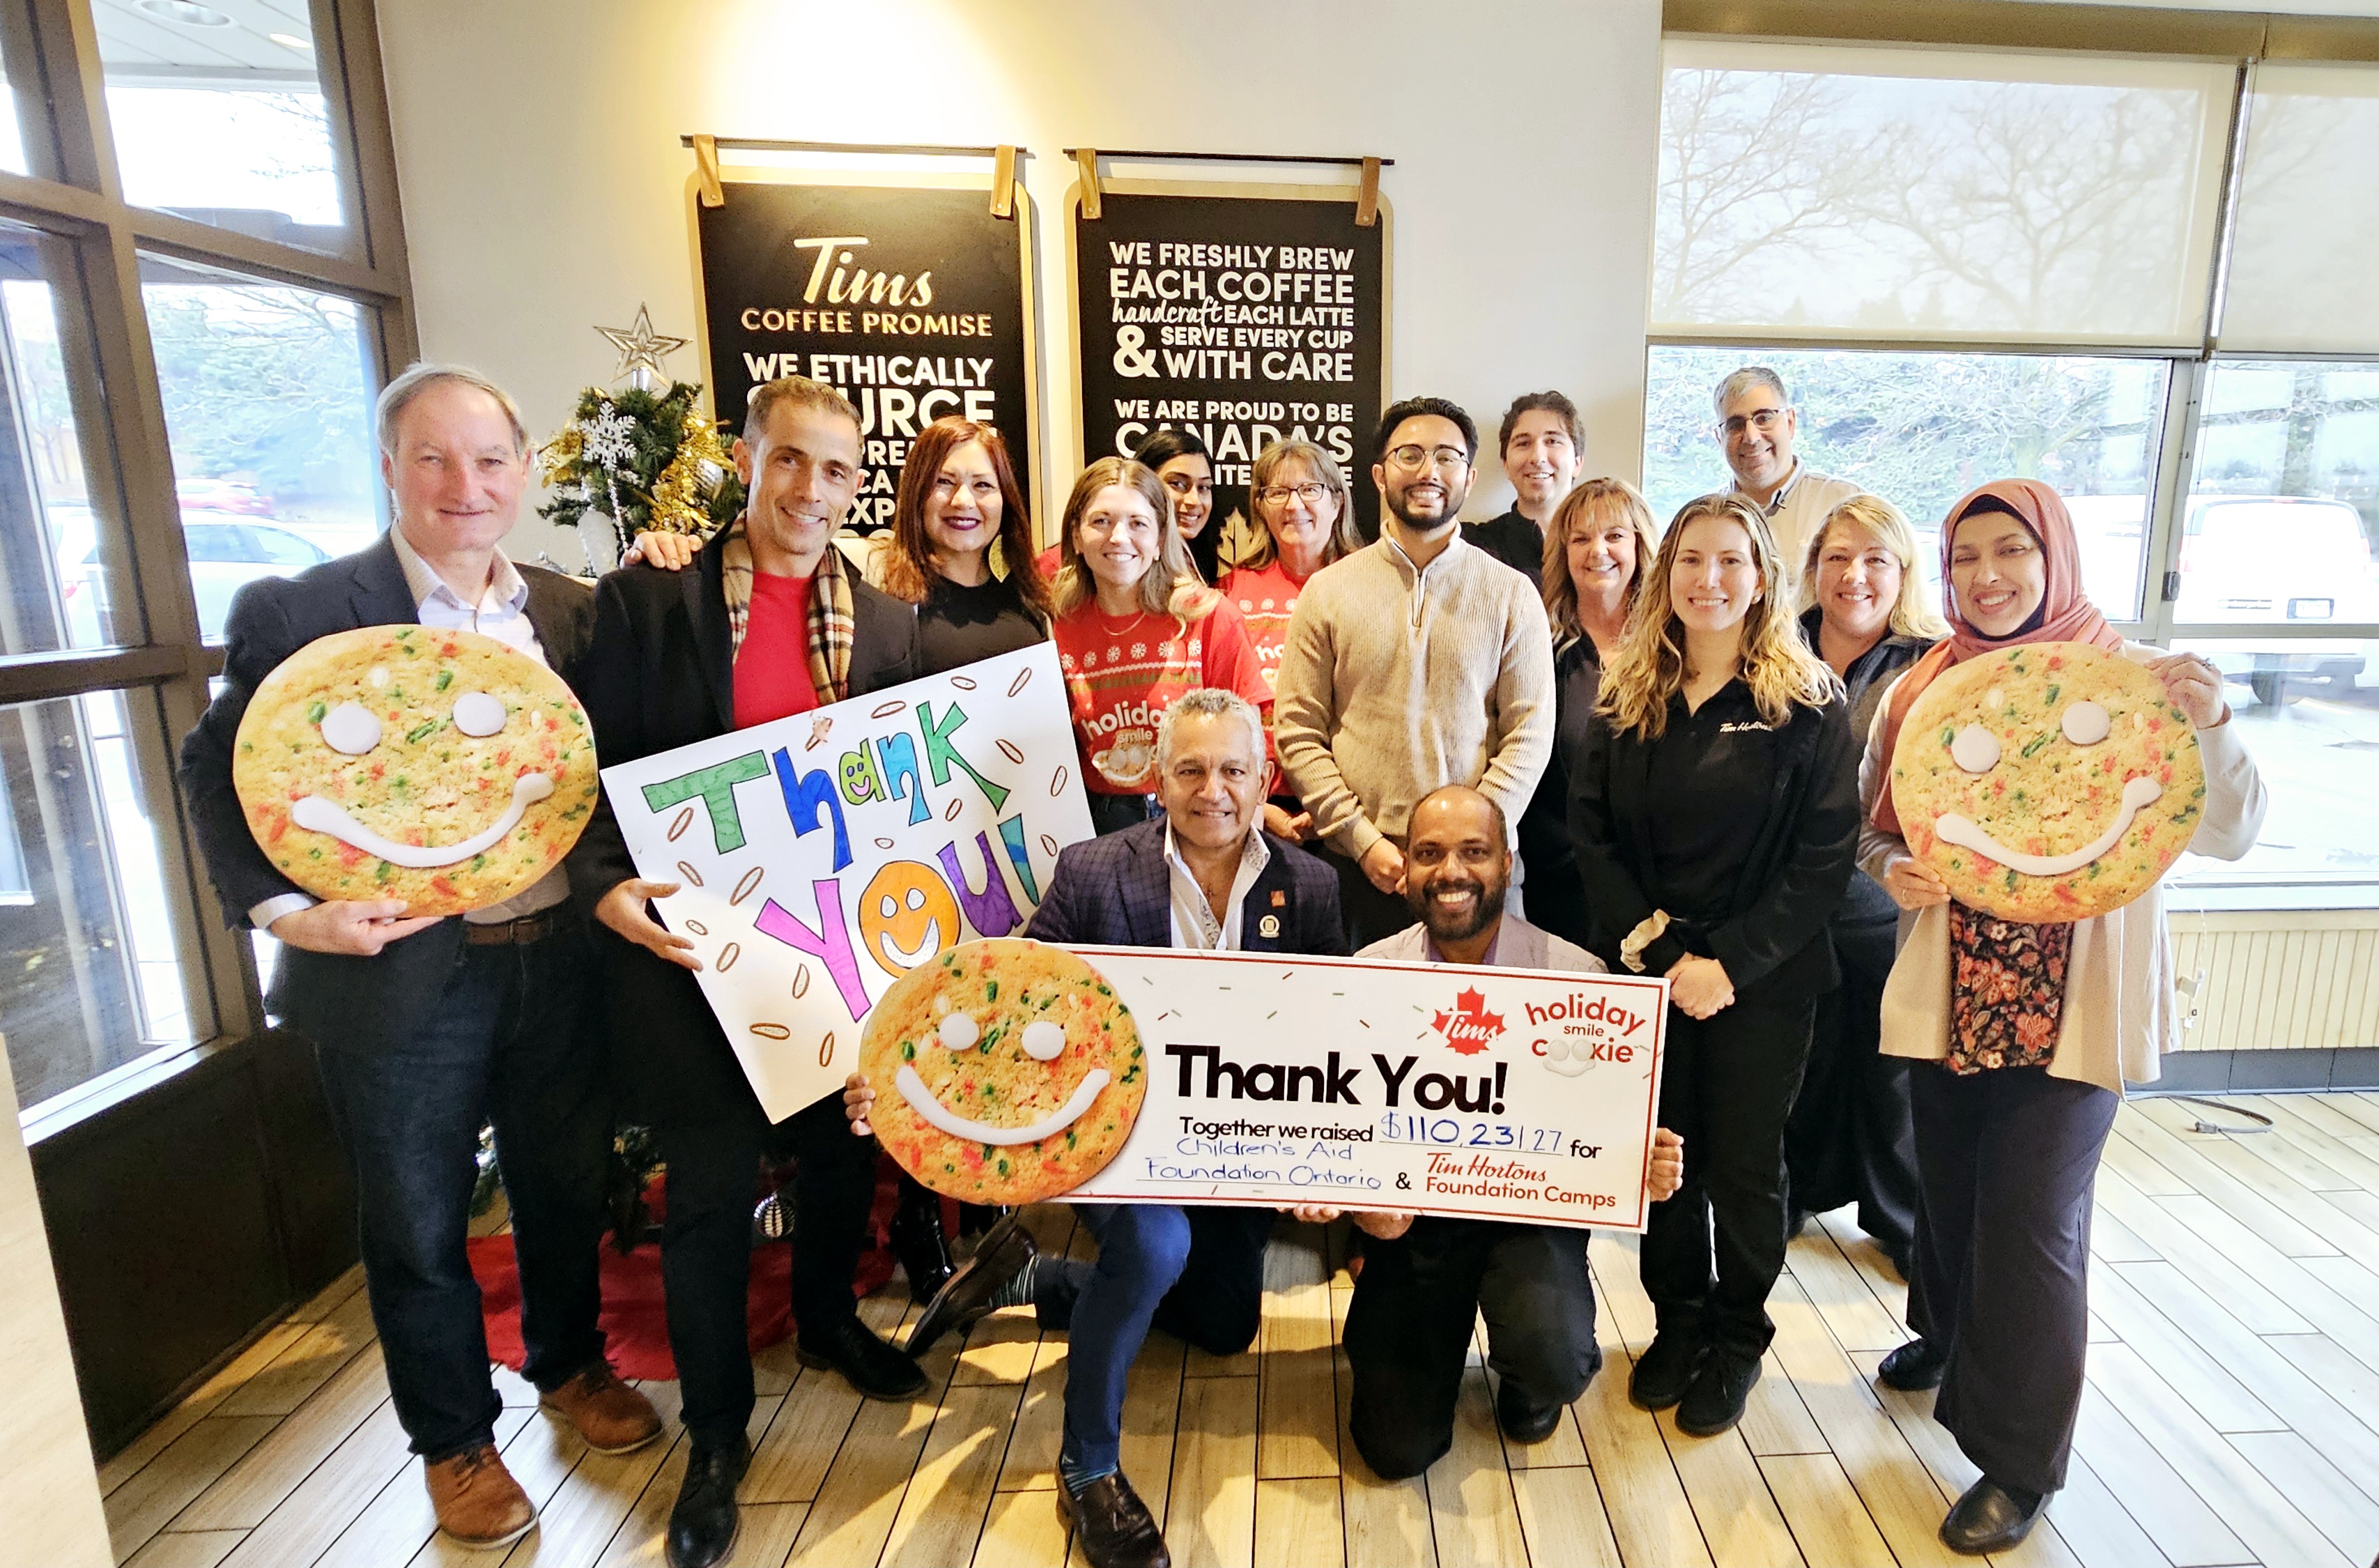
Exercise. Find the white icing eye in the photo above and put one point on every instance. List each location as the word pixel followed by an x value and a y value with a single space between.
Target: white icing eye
pixel 1974 749
pixel 916 897
pixel 350 729
pixel 2086 723
pixel 1044 1041
pixel 475 713
pixel 959 1032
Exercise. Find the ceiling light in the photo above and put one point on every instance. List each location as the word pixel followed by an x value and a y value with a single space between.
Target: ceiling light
pixel 183 11
pixel 291 41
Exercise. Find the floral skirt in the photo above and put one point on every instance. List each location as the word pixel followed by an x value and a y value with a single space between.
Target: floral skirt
pixel 2007 990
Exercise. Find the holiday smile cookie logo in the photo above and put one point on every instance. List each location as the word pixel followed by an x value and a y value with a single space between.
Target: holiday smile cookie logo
pixel 1469 1027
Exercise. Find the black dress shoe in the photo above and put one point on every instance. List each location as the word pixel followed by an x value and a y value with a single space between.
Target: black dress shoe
pixel 1522 1415
pixel 1991 1517
pixel 869 1364
pixel 1714 1400
pixel 1006 1250
pixel 1664 1370
pixel 918 1242
pixel 1914 1367
pixel 702 1525
pixel 1112 1525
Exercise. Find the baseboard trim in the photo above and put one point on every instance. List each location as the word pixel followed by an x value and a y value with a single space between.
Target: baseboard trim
pixel 2194 1072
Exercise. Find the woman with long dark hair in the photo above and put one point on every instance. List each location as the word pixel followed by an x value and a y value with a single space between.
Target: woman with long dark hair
pixel 1714 815
pixel 960 548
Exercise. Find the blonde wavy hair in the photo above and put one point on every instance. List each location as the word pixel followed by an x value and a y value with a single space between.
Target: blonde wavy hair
pixel 1170 586
pixel 1263 550
pixel 1911 615
pixel 1649 665
pixel 1592 504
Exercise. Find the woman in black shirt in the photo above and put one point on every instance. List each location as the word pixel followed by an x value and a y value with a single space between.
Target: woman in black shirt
pixel 960 548
pixel 1714 815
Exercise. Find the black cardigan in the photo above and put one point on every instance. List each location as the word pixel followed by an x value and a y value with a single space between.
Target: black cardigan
pixel 1788 886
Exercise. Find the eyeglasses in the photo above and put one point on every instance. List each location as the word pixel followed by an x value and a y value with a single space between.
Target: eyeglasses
pixel 1763 420
pixel 1412 459
pixel 1277 495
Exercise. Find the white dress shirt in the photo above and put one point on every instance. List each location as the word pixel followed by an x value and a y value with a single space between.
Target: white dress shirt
pixel 501 613
pixel 1195 926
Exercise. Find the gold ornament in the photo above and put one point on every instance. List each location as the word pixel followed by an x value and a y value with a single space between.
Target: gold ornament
pixel 641 351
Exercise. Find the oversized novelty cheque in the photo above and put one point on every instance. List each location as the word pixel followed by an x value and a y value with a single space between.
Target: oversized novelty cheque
pixel 2050 781
pixel 820 858
pixel 1009 1072
pixel 442 767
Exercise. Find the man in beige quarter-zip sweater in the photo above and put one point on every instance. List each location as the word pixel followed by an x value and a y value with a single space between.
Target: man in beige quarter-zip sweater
pixel 1417 662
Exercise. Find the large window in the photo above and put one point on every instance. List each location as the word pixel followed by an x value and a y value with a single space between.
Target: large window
pixel 171 429
pixel 1967 266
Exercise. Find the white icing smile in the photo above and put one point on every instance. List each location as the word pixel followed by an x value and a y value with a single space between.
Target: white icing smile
pixel 1963 831
pixel 921 1100
pixel 322 816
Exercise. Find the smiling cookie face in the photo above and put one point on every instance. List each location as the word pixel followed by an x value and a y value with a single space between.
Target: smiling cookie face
pixel 444 768
pixel 1005 1071
pixel 2049 782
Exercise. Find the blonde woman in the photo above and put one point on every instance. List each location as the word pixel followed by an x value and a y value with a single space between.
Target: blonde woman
pixel 1852 1138
pixel 1135 630
pixel 1598 543
pixel 1714 815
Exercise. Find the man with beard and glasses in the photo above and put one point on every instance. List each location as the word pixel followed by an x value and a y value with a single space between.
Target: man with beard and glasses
pixel 1416 662
pixel 1408 1327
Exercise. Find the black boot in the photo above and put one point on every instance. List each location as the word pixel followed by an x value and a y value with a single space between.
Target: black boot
pixel 1991 1517
pixel 869 1364
pixel 702 1525
pixel 917 1239
pixel 1914 1367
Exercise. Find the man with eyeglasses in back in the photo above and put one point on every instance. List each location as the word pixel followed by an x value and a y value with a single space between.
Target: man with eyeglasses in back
pixel 1417 662
pixel 1757 426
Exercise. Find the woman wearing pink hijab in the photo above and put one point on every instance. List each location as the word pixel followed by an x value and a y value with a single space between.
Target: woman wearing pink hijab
pixel 2014 1099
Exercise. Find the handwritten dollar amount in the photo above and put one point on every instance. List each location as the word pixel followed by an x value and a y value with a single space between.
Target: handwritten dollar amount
pixel 1465 1133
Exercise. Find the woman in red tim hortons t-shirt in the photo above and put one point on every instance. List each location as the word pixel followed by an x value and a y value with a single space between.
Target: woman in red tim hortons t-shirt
pixel 1135 630
pixel 1299 496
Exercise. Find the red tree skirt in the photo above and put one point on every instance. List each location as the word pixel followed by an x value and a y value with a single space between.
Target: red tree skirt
pixel 634 1322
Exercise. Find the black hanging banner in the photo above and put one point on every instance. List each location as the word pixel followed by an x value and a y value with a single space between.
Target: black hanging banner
pixel 1246 314
pixel 914 300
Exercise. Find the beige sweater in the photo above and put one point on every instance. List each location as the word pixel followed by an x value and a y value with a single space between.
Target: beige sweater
pixel 2118 1009
pixel 1395 682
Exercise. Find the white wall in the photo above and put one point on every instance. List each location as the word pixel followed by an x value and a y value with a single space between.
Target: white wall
pixel 537 143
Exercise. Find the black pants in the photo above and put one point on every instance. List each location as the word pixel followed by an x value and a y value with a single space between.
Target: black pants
pixel 1726 1088
pixel 707 1243
pixel 1369 913
pixel 505 1042
pixel 2008 1159
pixel 1853 1138
pixel 1409 1329
pixel 1113 813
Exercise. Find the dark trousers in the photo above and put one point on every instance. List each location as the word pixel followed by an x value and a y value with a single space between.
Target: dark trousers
pixel 1369 913
pixel 1851 1138
pixel 1197 1273
pixel 1409 1329
pixel 2007 1160
pixel 1726 1088
pixel 1113 813
pixel 504 1042
pixel 707 1244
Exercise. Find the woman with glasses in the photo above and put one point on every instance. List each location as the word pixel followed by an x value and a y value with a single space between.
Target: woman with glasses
pixel 1714 815
pixel 1299 496
pixel 1598 546
pixel 1135 630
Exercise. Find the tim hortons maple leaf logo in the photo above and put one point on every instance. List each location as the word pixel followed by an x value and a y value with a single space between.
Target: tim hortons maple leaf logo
pixel 1470 1027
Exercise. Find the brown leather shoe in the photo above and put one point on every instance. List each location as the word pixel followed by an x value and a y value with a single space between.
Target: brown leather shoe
pixel 610 1417
pixel 478 1501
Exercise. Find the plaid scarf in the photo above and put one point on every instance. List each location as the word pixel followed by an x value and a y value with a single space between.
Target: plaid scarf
pixel 831 628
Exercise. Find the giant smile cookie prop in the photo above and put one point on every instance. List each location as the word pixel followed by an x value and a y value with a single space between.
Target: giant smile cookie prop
pixel 1005 1071
pixel 444 768
pixel 2051 781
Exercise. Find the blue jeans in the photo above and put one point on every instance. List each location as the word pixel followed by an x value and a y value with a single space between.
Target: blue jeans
pixel 505 1042
pixel 1215 1254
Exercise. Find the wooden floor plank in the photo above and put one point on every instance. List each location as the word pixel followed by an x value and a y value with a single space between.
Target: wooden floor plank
pixel 1297 1411
pixel 307 1364
pixel 1387 1523
pixel 1000 1348
pixel 2184 1526
pixel 2295 1129
pixel 2363 1108
pixel 2198 1373
pixel 1867 1255
pixel 2190 1158
pixel 1853 1315
pixel 1299 1523
pixel 942 1511
pixel 2347 1514
pixel 1562 1519
pixel 578 1521
pixel 792 1456
pixel 1824 1512
pixel 318 1306
pixel 2351 1381
pixel 1031 1460
pixel 190 1549
pixel 1022 1530
pixel 1651 1518
pixel 2256 1512
pixel 202 1401
pixel 1211 1504
pixel 162 1489
pixel 2178 1243
pixel 1737 1513
pixel 861 1494
pixel 273 1468
pixel 1151 1413
pixel 2313 1305
pixel 319 1508
pixel 1472 1511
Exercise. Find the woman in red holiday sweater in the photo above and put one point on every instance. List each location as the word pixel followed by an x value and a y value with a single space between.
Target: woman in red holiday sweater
pixel 1299 496
pixel 1135 630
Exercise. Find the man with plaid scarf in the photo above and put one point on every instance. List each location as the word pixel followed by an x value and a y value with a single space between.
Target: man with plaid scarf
pixel 772 623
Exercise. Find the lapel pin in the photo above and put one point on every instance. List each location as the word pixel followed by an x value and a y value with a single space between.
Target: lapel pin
pixel 1270 925
pixel 1279 899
